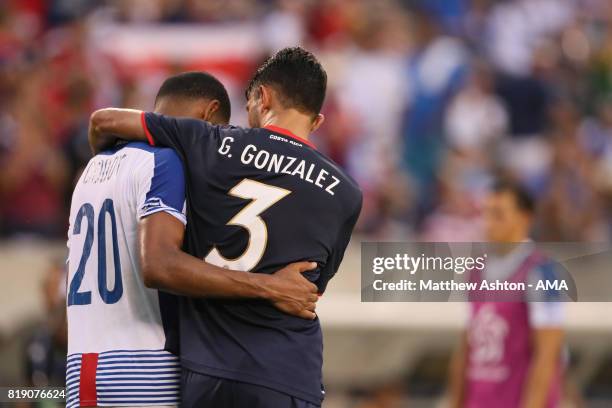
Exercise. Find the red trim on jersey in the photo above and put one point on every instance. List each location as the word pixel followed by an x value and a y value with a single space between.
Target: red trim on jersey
pixel 143 121
pixel 290 134
pixel 88 394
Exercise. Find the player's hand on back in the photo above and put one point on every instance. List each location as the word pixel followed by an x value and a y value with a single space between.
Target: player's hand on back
pixel 290 292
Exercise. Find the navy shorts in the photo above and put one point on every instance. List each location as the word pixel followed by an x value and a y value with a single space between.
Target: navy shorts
pixel 203 391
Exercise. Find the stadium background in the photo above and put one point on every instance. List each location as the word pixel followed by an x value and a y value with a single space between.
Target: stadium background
pixel 428 101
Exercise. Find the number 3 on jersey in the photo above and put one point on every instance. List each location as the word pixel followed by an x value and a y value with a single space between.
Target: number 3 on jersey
pixel 109 296
pixel 263 196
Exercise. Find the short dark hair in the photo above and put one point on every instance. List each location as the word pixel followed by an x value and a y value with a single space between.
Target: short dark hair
pixel 197 85
pixel 297 76
pixel 523 198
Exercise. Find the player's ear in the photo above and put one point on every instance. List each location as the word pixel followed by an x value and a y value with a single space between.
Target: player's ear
pixel 317 122
pixel 208 113
pixel 265 94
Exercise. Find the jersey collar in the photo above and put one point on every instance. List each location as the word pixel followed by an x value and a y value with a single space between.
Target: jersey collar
pixel 290 134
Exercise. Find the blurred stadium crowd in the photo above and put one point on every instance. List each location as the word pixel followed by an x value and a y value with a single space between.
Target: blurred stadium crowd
pixel 428 100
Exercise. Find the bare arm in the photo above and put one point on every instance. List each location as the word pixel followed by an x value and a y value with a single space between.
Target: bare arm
pixel 106 126
pixel 456 382
pixel 165 266
pixel 547 344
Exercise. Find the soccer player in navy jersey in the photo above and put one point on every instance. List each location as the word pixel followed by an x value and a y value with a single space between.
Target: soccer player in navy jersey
pixel 257 198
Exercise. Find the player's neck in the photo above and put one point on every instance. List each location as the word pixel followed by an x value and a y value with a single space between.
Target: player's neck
pixel 292 120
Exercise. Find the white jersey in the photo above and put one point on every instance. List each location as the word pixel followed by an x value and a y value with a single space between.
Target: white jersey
pixel 116 338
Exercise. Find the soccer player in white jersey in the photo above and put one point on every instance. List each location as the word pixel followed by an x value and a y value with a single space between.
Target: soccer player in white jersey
pixel 127 209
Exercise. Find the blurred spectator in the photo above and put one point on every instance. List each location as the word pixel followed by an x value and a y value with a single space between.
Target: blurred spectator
pixel 456 218
pixel 476 117
pixel 516 29
pixel 436 71
pixel 33 180
pixel 427 99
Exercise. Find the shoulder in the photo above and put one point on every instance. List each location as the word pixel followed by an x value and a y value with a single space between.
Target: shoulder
pixel 159 154
pixel 156 160
pixel 215 134
pixel 231 130
pixel 351 189
pixel 355 196
pixel 158 125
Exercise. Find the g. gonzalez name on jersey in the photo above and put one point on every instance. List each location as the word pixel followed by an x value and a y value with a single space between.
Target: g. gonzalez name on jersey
pixel 278 163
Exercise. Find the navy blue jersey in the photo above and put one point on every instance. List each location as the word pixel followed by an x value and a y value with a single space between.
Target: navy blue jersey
pixel 257 200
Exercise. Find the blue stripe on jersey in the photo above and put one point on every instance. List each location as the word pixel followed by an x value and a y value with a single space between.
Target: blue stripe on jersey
pixel 106 364
pixel 128 372
pixel 132 363
pixel 167 191
pixel 137 402
pixel 128 378
pixel 137 384
pixel 125 393
pixel 140 394
pixel 165 377
pixel 133 367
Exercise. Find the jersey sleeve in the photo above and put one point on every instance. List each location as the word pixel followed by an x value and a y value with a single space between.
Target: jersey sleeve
pixel 544 309
pixel 181 134
pixel 337 254
pixel 162 186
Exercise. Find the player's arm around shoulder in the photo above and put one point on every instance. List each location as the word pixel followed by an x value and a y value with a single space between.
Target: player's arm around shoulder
pixel 107 125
